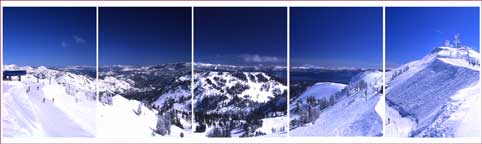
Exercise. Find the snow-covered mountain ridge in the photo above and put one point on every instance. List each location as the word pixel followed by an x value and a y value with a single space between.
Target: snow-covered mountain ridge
pixel 234 88
pixel 239 101
pixel 425 91
pixel 155 100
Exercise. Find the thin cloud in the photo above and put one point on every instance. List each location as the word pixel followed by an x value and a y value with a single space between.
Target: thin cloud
pixel 260 59
pixel 64 44
pixel 78 39
pixel 439 32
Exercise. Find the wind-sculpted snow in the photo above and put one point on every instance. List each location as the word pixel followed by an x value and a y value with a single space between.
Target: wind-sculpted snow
pixel 424 90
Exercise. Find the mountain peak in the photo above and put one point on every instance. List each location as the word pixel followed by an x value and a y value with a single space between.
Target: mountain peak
pixel 450 52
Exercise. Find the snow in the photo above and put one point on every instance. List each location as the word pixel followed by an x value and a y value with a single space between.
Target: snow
pixel 396 125
pixel 458 62
pixel 350 117
pixel 19 115
pixel 353 115
pixel 113 84
pixel 255 92
pixel 277 124
pixel 380 108
pixel 175 94
pixel 272 127
pixel 119 120
pixel 68 110
pixel 469 113
pixel 436 93
pixel 322 90
pixel 117 117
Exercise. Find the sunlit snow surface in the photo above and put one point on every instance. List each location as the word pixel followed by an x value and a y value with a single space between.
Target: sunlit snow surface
pixel 68 111
pixel 354 115
pixel 120 121
pixel 437 96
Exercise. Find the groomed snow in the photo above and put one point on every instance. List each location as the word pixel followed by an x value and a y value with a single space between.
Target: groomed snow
pixel 68 111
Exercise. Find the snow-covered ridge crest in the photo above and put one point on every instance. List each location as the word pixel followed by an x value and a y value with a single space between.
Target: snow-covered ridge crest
pixel 463 53
pixel 239 68
pixel 460 57
pixel 69 79
pixel 450 52
pixel 370 80
pixel 321 90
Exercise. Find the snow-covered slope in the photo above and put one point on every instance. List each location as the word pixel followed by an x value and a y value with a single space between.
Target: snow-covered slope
pixel 436 92
pixel 180 94
pixel 232 101
pixel 58 104
pixel 22 120
pixel 254 87
pixel 274 127
pixel 353 114
pixel 120 120
pixel 159 92
pixel 321 90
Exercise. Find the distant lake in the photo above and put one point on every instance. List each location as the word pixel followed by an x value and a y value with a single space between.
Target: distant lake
pixel 313 76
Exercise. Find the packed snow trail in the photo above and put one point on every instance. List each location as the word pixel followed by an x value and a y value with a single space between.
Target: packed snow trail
pixel 56 123
pixel 470 123
pixel 49 119
pixel 467 118
pixel 396 125
pixel 19 117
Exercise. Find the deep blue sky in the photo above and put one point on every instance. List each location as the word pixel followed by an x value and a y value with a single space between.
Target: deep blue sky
pixel 49 36
pixel 336 36
pixel 412 32
pixel 240 35
pixel 144 36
